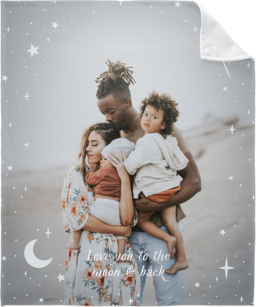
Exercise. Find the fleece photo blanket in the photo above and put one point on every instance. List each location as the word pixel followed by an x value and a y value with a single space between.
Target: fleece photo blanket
pixel 52 52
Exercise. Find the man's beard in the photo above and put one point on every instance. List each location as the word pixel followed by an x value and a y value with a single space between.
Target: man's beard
pixel 115 127
pixel 120 124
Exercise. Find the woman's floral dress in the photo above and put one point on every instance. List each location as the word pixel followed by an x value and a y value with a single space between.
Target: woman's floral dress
pixel 83 285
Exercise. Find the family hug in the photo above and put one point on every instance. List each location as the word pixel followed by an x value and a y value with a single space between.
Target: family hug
pixel 121 202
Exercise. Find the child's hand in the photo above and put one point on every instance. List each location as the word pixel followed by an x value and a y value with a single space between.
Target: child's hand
pixel 118 163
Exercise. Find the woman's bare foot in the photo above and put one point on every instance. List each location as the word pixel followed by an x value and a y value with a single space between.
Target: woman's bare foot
pixel 171 246
pixel 178 265
pixel 72 245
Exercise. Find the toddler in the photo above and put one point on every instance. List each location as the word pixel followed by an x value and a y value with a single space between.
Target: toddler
pixel 107 189
pixel 155 162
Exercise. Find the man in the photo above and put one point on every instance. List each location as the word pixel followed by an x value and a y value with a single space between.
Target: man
pixel 114 101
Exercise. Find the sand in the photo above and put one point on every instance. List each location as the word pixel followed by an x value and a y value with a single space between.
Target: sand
pixel 222 204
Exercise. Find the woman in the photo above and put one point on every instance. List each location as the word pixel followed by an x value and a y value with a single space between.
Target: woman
pixel 92 276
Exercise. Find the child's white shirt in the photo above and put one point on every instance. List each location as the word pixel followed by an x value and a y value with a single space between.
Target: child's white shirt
pixel 155 161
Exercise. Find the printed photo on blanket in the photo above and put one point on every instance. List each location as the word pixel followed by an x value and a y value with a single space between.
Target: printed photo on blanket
pixel 128 135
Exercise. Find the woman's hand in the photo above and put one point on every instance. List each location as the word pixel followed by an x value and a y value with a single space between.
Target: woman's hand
pixel 118 163
pixel 125 231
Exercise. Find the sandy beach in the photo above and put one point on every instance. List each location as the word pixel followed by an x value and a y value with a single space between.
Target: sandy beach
pixel 223 204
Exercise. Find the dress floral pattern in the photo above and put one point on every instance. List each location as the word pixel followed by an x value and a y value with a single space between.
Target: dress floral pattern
pixel 93 277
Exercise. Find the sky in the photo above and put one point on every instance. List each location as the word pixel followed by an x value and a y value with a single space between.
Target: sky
pixel 53 52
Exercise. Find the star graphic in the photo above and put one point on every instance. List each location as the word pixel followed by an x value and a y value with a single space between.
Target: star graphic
pixel 130 301
pixel 4 258
pixel 217 278
pixel 222 232
pixel 177 4
pixel 226 268
pixel 48 233
pixel 253 197
pixel 25 189
pixel 48 39
pixel 33 50
pixel 4 78
pixel 54 25
pixel 26 144
pixel 230 178
pixel 241 299
pixel 195 29
pixel 8 29
pixel 10 125
pixel 26 96
pixel 248 65
pixel 10 168
pixel 41 300
pixel 232 129
pixel 197 284
pixel 61 277
pixel 25 273
pixel 225 88
pixel 249 112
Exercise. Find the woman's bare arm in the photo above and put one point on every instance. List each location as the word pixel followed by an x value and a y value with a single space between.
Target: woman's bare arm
pixel 93 224
pixel 126 200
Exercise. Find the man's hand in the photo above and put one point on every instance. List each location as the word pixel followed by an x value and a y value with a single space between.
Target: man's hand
pixel 145 205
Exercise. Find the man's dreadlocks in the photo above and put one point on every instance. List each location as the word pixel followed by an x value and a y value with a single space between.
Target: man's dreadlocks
pixel 116 81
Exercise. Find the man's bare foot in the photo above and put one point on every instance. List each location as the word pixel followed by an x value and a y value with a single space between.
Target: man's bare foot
pixel 72 245
pixel 171 246
pixel 178 265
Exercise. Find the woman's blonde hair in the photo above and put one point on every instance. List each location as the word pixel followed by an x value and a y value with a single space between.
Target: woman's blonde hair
pixel 105 131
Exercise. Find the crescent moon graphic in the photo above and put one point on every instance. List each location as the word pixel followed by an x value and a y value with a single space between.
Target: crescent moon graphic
pixel 32 259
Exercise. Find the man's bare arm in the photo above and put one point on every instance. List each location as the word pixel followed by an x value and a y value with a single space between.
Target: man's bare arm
pixel 190 185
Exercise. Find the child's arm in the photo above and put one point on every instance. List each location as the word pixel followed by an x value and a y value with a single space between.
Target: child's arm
pixel 142 155
pixel 190 185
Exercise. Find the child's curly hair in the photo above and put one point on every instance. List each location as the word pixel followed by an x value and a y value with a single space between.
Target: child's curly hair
pixel 165 103
pixel 116 81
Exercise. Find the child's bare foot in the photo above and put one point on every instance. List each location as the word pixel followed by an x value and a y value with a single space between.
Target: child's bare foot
pixel 171 246
pixel 72 245
pixel 178 265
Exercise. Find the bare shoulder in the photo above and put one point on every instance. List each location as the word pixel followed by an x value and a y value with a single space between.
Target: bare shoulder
pixel 180 139
pixel 176 131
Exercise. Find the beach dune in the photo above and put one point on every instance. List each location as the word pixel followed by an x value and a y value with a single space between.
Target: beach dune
pixel 222 204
